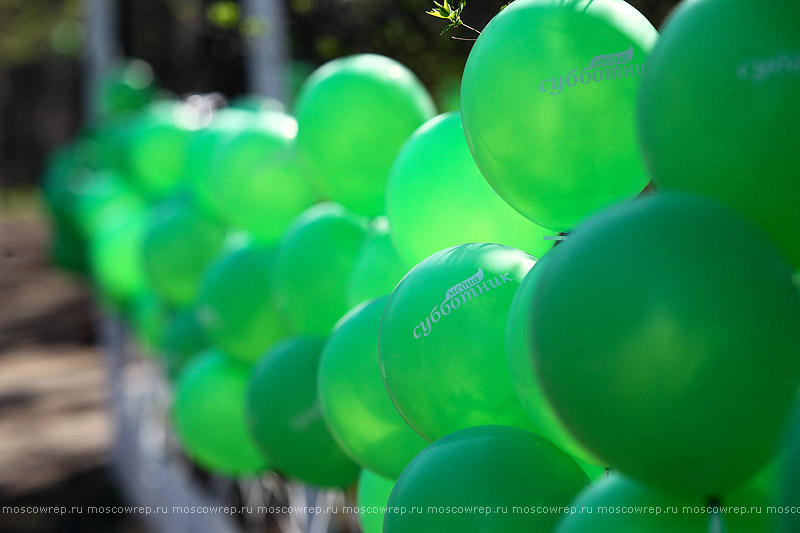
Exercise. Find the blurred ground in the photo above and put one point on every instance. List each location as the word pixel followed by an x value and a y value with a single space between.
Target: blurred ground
pixel 55 428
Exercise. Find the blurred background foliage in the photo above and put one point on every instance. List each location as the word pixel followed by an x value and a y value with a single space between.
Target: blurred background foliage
pixel 198 46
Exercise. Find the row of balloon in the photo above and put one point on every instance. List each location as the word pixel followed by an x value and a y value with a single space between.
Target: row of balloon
pixel 404 329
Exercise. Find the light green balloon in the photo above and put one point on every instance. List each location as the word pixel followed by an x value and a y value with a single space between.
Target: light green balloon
pixel 378 268
pixel 354 401
pixel 373 494
pixel 209 414
pixel 354 113
pixel 672 356
pixel 548 99
pixel 437 198
pixel 631 507
pixel 286 419
pixel 236 303
pixel 313 266
pixel 182 338
pixel 442 340
pixel 718 111
pixel 116 259
pixel 493 471
pixel 179 244
pixel 255 181
pixel 523 373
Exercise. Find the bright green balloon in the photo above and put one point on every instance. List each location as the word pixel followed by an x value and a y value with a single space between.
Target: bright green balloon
pixel 314 263
pixel 155 146
pixel 637 508
pixel 718 110
pixel 523 375
pixel 354 113
pixel 489 467
pixel 373 494
pixel 255 181
pixel 548 99
pixel 437 198
pixel 442 340
pixel 378 268
pixel 182 338
pixel 209 414
pixel 116 258
pixel 179 243
pixel 354 401
pixel 665 334
pixel 236 303
pixel 286 420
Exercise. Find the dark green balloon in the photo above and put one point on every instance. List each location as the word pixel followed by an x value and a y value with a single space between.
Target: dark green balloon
pixel 789 479
pixel 665 334
pixel 314 264
pixel 718 112
pixel 286 419
pixel 209 414
pixel 378 268
pixel 442 340
pixel 179 243
pixel 146 317
pixel 373 494
pixel 126 88
pixel 523 373
pixel 236 302
pixel 182 338
pixel 509 471
pixel 355 404
pixel 549 100
pixel 617 504
pixel 104 197
pixel 354 113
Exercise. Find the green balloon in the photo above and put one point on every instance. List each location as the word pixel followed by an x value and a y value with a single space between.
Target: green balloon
pixel 354 113
pixel 496 468
pixel 209 414
pixel 146 317
pixel 637 508
pixel 126 88
pixel 179 243
pixel 441 343
pixel 548 99
pixel 154 152
pixel 523 372
pixel 378 268
pixel 661 328
pixel 354 401
pixel 373 494
pixel 116 259
pixel 182 338
pixel 724 68
pixel 286 420
pixel 236 303
pixel 254 179
pixel 437 198
pixel 104 197
pixel 789 479
pixel 68 251
pixel 314 263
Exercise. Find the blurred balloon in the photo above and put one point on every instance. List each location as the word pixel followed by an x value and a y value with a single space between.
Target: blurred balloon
pixel 314 263
pixel 441 341
pixel 638 508
pixel 182 338
pixel 575 67
pixel 286 419
pixel 373 494
pixel 236 303
pixel 146 317
pixel 523 373
pixel 486 467
pixel 254 180
pixel 354 113
pixel 743 60
pixel 68 251
pixel 103 197
pixel 127 87
pixel 437 198
pixel 179 243
pixel 645 335
pixel 354 401
pixel 377 270
pixel 209 414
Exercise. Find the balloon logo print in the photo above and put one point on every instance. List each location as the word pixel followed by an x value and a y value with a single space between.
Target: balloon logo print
pixel 603 67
